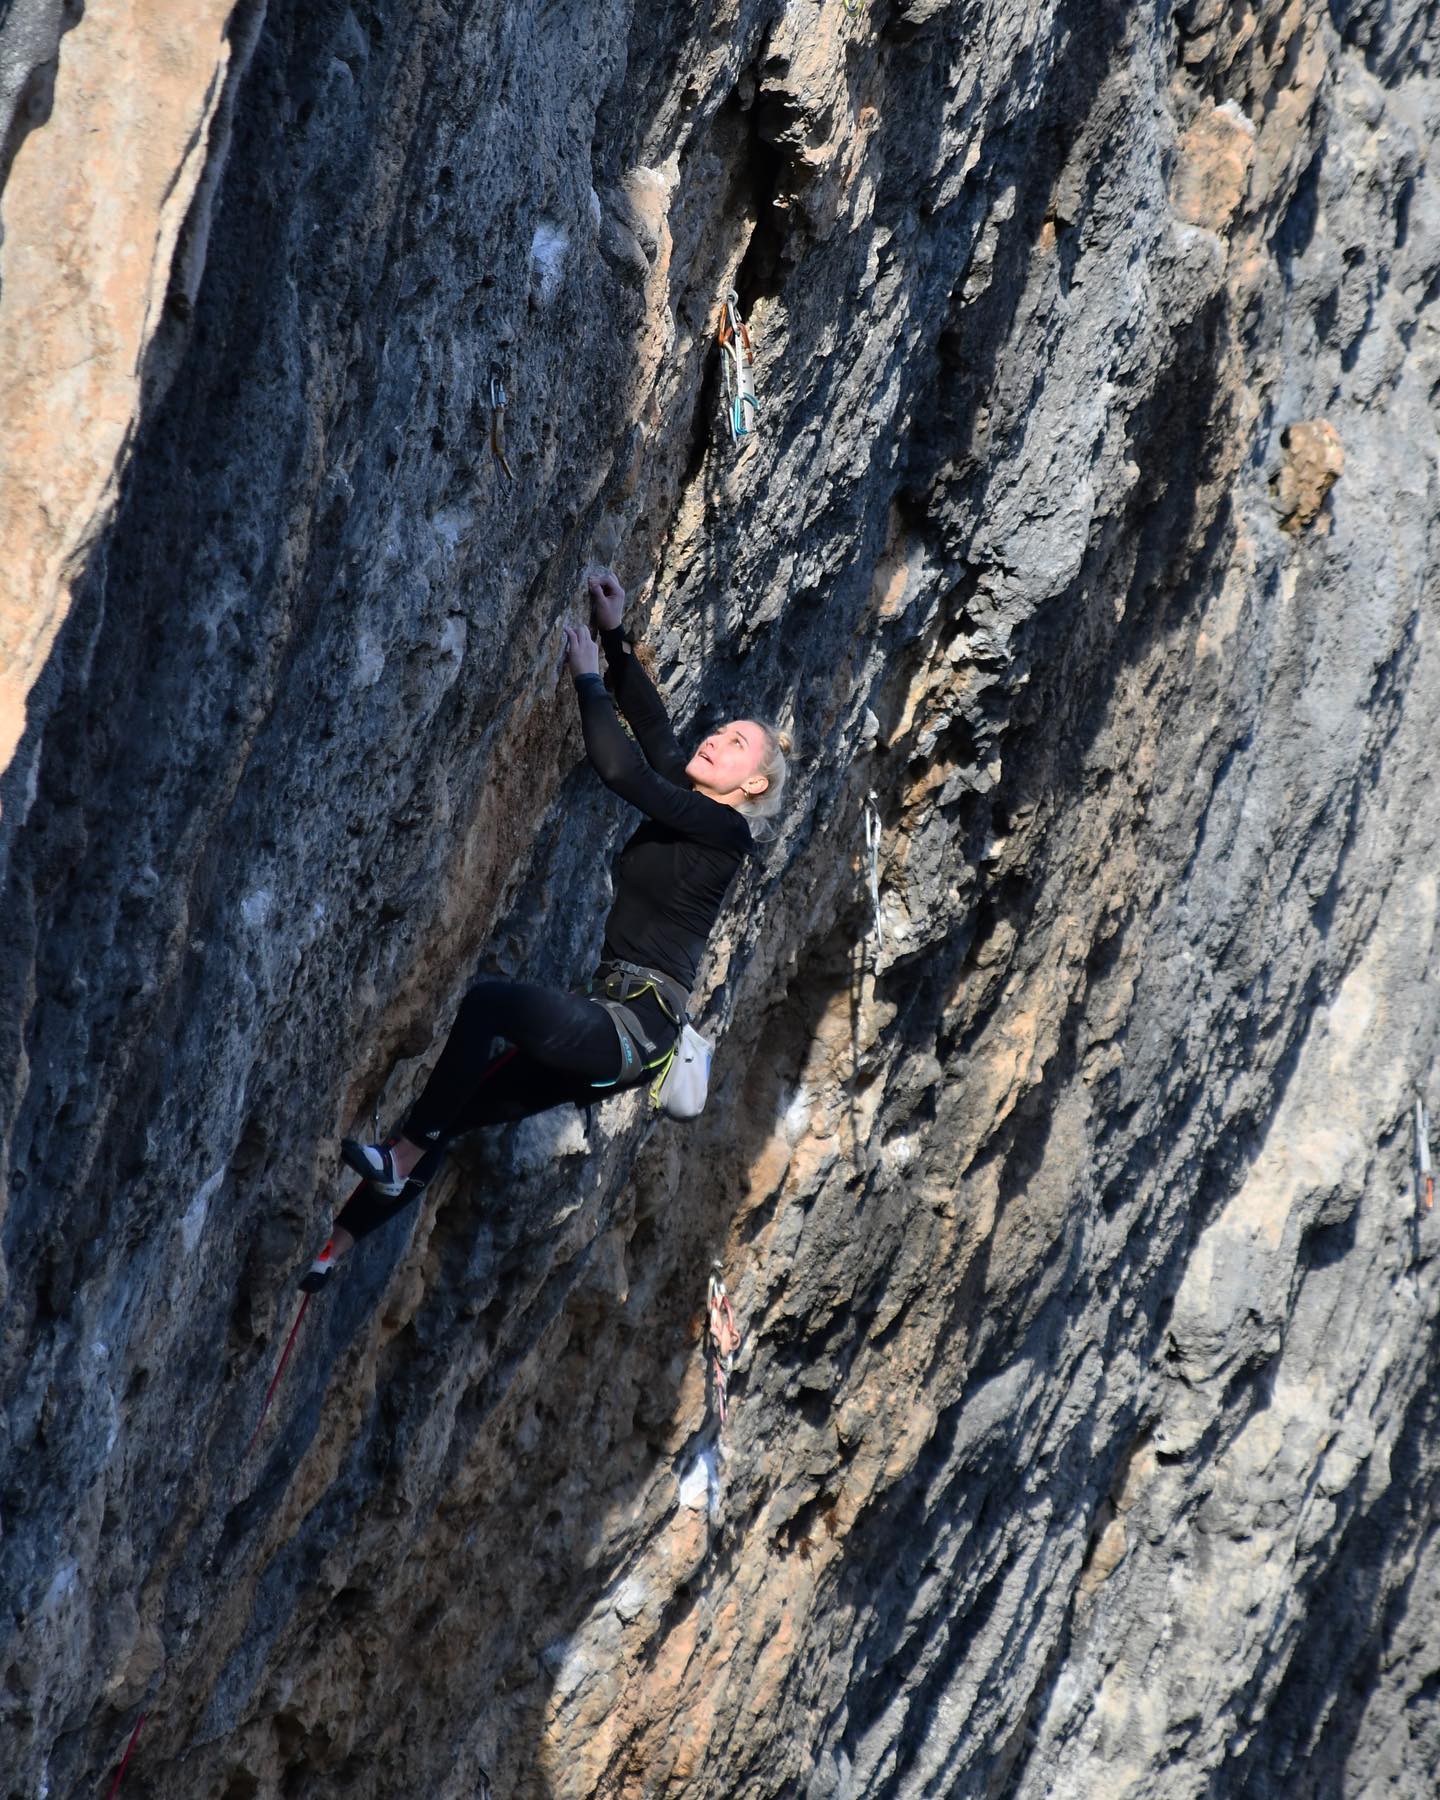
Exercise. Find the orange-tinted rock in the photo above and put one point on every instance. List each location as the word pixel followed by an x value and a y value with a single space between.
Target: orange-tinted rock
pixel 93 208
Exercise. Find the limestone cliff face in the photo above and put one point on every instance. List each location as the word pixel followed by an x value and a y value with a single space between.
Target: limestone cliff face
pixel 1083 1438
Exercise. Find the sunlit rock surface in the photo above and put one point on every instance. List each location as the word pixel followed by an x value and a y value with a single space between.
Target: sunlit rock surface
pixel 1082 1440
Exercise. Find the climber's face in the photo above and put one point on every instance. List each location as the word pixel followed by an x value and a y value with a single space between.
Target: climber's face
pixel 727 764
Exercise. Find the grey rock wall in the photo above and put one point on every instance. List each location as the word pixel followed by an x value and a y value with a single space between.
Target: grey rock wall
pixel 1083 1439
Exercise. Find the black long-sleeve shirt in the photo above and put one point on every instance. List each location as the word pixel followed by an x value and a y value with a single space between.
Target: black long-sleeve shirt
pixel 672 876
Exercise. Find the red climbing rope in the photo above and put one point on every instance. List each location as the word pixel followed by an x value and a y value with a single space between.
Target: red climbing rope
pixel 285 1354
pixel 275 1379
pixel 125 1759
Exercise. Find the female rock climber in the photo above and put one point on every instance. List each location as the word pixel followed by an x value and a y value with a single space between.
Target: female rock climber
pixel 670 882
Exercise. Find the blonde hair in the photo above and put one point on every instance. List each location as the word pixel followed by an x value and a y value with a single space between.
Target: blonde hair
pixel 761 810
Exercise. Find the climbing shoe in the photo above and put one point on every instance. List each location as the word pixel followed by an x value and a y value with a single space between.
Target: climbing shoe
pixel 320 1271
pixel 376 1162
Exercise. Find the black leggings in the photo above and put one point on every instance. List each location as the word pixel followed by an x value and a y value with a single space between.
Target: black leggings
pixel 564 1045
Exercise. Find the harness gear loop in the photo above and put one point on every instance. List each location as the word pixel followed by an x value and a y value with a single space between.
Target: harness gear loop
pixel 662 1069
pixel 872 849
pixel 724 1337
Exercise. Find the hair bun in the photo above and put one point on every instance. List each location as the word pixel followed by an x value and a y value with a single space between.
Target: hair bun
pixel 784 740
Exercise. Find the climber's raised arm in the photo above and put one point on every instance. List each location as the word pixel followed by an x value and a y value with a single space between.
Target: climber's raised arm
pixel 635 694
pixel 620 765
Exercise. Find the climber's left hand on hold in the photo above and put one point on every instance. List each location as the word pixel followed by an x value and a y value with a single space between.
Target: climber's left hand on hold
pixel 582 652
pixel 607 597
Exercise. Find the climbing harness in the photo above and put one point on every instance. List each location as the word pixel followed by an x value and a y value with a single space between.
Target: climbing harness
pixel 737 354
pixel 637 1050
pixel 627 981
pixel 497 425
pixel 620 983
pixel 680 1075
pixel 872 853
pixel 125 1759
pixel 1424 1179
pixel 722 1335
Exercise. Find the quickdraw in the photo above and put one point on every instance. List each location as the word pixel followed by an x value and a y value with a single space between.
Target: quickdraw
pixel 723 1336
pixel 497 425
pixel 738 356
pixel 872 853
pixel 1424 1178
